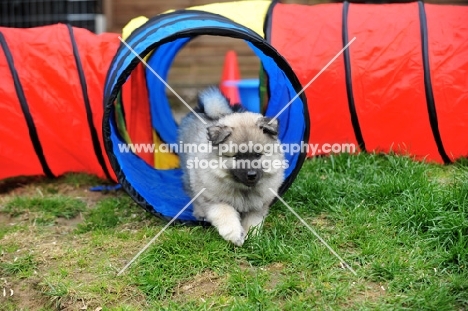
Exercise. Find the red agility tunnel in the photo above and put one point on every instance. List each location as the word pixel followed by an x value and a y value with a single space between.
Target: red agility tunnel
pixel 401 86
pixel 51 100
pixel 52 81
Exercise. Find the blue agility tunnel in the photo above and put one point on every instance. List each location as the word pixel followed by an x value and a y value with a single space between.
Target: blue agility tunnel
pixel 160 191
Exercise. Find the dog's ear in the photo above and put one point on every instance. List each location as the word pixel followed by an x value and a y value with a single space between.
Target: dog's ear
pixel 268 125
pixel 218 133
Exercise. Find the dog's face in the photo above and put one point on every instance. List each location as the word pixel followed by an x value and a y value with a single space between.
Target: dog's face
pixel 248 145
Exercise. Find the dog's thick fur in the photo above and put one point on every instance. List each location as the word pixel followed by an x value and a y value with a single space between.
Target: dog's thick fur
pixel 235 199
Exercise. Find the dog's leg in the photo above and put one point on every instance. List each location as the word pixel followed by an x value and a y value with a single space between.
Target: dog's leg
pixel 227 220
pixel 253 221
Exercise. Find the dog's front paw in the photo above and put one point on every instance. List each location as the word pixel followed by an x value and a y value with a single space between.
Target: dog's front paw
pixel 233 233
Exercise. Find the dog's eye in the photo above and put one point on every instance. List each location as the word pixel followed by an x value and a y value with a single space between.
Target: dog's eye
pixel 258 155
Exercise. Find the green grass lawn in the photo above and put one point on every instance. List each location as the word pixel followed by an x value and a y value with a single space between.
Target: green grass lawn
pixel 402 225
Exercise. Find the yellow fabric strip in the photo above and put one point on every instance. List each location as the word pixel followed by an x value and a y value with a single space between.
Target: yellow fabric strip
pixel 251 14
pixel 163 160
pixel 132 25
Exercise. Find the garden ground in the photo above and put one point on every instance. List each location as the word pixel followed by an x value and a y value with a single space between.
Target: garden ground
pixel 402 225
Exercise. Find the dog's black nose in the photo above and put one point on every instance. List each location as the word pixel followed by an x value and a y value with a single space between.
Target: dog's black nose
pixel 251 175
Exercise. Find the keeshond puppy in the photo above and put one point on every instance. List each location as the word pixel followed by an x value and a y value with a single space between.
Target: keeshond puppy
pixel 237 160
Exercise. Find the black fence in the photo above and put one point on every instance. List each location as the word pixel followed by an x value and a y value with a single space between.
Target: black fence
pixel 33 13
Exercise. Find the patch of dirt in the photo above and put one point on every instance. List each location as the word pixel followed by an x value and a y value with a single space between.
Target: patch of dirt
pixel 31 241
pixel 37 186
pixel 51 251
pixel 321 221
pixel 61 225
pixel 275 272
pixel 25 187
pixel 21 293
pixel 50 247
pixel 68 224
pixel 368 291
pixel 32 190
pixel 5 220
pixel 201 286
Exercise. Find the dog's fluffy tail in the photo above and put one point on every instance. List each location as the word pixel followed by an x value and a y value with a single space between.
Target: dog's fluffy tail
pixel 215 105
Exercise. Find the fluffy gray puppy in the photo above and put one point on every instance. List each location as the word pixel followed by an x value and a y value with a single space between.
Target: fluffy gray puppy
pixel 236 158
